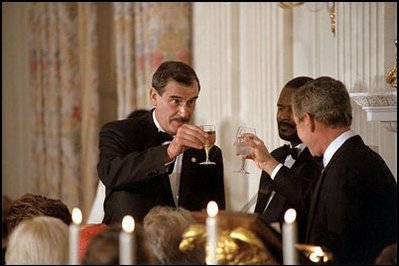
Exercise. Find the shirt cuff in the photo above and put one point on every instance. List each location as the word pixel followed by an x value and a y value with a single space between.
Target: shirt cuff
pixel 275 171
pixel 169 163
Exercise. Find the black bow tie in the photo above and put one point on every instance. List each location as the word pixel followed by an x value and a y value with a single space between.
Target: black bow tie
pixel 162 137
pixel 293 151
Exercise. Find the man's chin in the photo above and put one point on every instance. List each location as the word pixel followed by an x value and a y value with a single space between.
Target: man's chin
pixel 288 136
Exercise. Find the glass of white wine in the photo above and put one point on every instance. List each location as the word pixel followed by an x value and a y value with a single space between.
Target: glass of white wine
pixel 241 148
pixel 210 129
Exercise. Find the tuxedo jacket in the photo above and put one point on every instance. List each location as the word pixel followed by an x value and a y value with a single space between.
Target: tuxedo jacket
pixel 132 168
pixel 353 207
pixel 309 169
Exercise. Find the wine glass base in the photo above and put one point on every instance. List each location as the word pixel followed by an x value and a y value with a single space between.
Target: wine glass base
pixel 242 172
pixel 205 163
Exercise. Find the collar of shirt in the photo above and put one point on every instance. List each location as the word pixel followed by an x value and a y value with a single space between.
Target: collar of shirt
pixel 156 122
pixel 335 145
pixel 300 147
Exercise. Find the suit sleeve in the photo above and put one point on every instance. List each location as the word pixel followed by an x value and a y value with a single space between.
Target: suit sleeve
pixel 295 187
pixel 125 160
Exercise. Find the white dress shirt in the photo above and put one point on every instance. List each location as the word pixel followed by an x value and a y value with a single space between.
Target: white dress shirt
pixel 174 177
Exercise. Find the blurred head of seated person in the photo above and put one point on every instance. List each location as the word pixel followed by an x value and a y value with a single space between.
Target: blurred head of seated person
pixel 6 203
pixel 103 248
pixel 40 240
pixel 165 227
pixel 388 256
pixel 31 205
pixel 87 232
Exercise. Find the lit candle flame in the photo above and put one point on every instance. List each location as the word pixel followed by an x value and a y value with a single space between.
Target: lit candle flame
pixel 290 216
pixel 316 255
pixel 76 216
pixel 212 209
pixel 128 224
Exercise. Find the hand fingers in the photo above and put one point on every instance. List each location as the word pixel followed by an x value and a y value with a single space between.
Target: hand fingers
pixel 190 136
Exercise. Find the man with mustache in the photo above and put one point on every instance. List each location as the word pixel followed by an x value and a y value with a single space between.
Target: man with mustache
pixel 295 156
pixel 154 159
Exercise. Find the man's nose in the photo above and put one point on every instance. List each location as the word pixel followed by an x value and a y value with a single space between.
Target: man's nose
pixel 184 110
pixel 285 113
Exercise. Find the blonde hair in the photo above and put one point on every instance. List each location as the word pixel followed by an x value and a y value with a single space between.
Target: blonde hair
pixel 40 240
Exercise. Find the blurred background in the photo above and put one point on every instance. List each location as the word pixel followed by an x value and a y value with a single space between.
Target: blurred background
pixel 68 68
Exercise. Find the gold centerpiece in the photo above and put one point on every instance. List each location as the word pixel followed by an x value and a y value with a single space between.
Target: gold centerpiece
pixel 237 247
pixel 392 75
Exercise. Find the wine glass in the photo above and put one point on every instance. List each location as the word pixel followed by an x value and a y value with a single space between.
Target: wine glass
pixel 241 148
pixel 210 129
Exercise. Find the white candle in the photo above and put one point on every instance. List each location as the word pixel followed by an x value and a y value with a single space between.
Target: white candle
pixel 290 237
pixel 211 233
pixel 74 232
pixel 127 242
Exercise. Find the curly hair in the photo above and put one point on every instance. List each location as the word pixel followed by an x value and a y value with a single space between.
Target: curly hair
pixel 164 226
pixel 31 205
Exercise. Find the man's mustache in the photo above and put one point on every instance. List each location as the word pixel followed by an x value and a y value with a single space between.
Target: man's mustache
pixel 181 119
pixel 286 123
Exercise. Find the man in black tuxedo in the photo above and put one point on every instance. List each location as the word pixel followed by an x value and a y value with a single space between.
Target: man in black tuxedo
pixel 296 156
pixel 154 159
pixel 353 206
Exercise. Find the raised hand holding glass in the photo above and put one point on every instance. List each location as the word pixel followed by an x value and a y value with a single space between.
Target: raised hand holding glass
pixel 243 149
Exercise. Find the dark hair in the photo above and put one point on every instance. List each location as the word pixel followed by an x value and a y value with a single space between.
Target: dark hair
pixel 174 70
pixel 5 211
pixel 297 82
pixel 30 205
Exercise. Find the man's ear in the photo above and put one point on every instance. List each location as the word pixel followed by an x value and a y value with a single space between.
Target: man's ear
pixel 309 121
pixel 154 96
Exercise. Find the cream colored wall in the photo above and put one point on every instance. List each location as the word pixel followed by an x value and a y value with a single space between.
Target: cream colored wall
pixel 242 54
pixel 360 54
pixel 245 52
pixel 16 179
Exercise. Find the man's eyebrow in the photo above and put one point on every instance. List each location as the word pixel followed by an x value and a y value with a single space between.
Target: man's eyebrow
pixel 175 97
pixel 180 98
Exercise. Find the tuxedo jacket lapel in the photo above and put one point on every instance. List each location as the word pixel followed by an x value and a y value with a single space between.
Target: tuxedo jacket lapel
pixel 316 193
pixel 313 205
pixel 191 158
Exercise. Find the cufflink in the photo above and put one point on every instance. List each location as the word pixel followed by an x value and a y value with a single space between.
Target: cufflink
pixel 193 159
